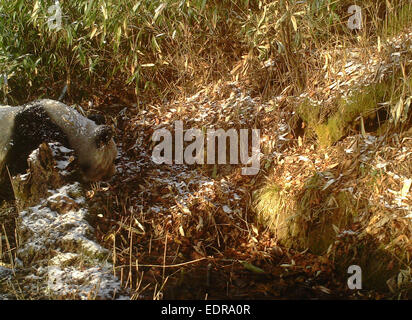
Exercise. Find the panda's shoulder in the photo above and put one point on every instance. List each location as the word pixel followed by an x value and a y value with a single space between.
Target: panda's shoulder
pixel 33 112
pixel 47 105
pixel 33 123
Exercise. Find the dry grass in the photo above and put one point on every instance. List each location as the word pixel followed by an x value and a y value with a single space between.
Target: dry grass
pixel 154 50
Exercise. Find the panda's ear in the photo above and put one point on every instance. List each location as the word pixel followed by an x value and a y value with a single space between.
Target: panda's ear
pixel 103 135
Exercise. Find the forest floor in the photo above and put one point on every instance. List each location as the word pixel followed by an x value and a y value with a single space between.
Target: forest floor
pixel 190 231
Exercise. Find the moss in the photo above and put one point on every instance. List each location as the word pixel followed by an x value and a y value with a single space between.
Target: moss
pixel 330 124
pixel 310 113
pixel 362 103
pixel 347 112
pixel 308 221
pixel 271 206
pixel 330 132
pixel 319 215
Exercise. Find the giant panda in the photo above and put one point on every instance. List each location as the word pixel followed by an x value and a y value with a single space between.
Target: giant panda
pixel 24 128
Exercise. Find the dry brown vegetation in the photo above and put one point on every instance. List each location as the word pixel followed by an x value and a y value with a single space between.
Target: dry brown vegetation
pixel 331 103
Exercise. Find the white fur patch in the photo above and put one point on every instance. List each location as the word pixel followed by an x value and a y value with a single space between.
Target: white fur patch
pixel 81 133
pixel 7 115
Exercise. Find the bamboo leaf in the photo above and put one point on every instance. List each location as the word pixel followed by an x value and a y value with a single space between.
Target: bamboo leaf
pixel 251 267
pixel 294 23
pixel 158 11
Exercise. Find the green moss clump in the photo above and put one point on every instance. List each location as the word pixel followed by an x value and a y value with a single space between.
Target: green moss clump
pixel 362 103
pixel 319 215
pixel 347 113
pixel 271 206
pixel 311 220
pixel 310 113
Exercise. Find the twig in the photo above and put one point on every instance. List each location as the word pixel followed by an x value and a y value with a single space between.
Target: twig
pixel 163 266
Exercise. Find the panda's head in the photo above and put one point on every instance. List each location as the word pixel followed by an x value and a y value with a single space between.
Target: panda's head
pixel 23 128
pixel 98 164
pixel 93 144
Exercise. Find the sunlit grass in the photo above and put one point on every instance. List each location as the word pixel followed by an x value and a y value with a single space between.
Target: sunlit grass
pixel 160 47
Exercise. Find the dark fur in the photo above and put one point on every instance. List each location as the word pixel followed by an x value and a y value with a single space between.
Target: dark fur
pixel 97 118
pixel 32 126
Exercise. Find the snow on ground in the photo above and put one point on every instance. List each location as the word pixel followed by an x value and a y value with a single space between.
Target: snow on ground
pixel 58 248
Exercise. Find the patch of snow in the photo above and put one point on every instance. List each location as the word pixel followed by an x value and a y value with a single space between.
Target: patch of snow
pixel 59 247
